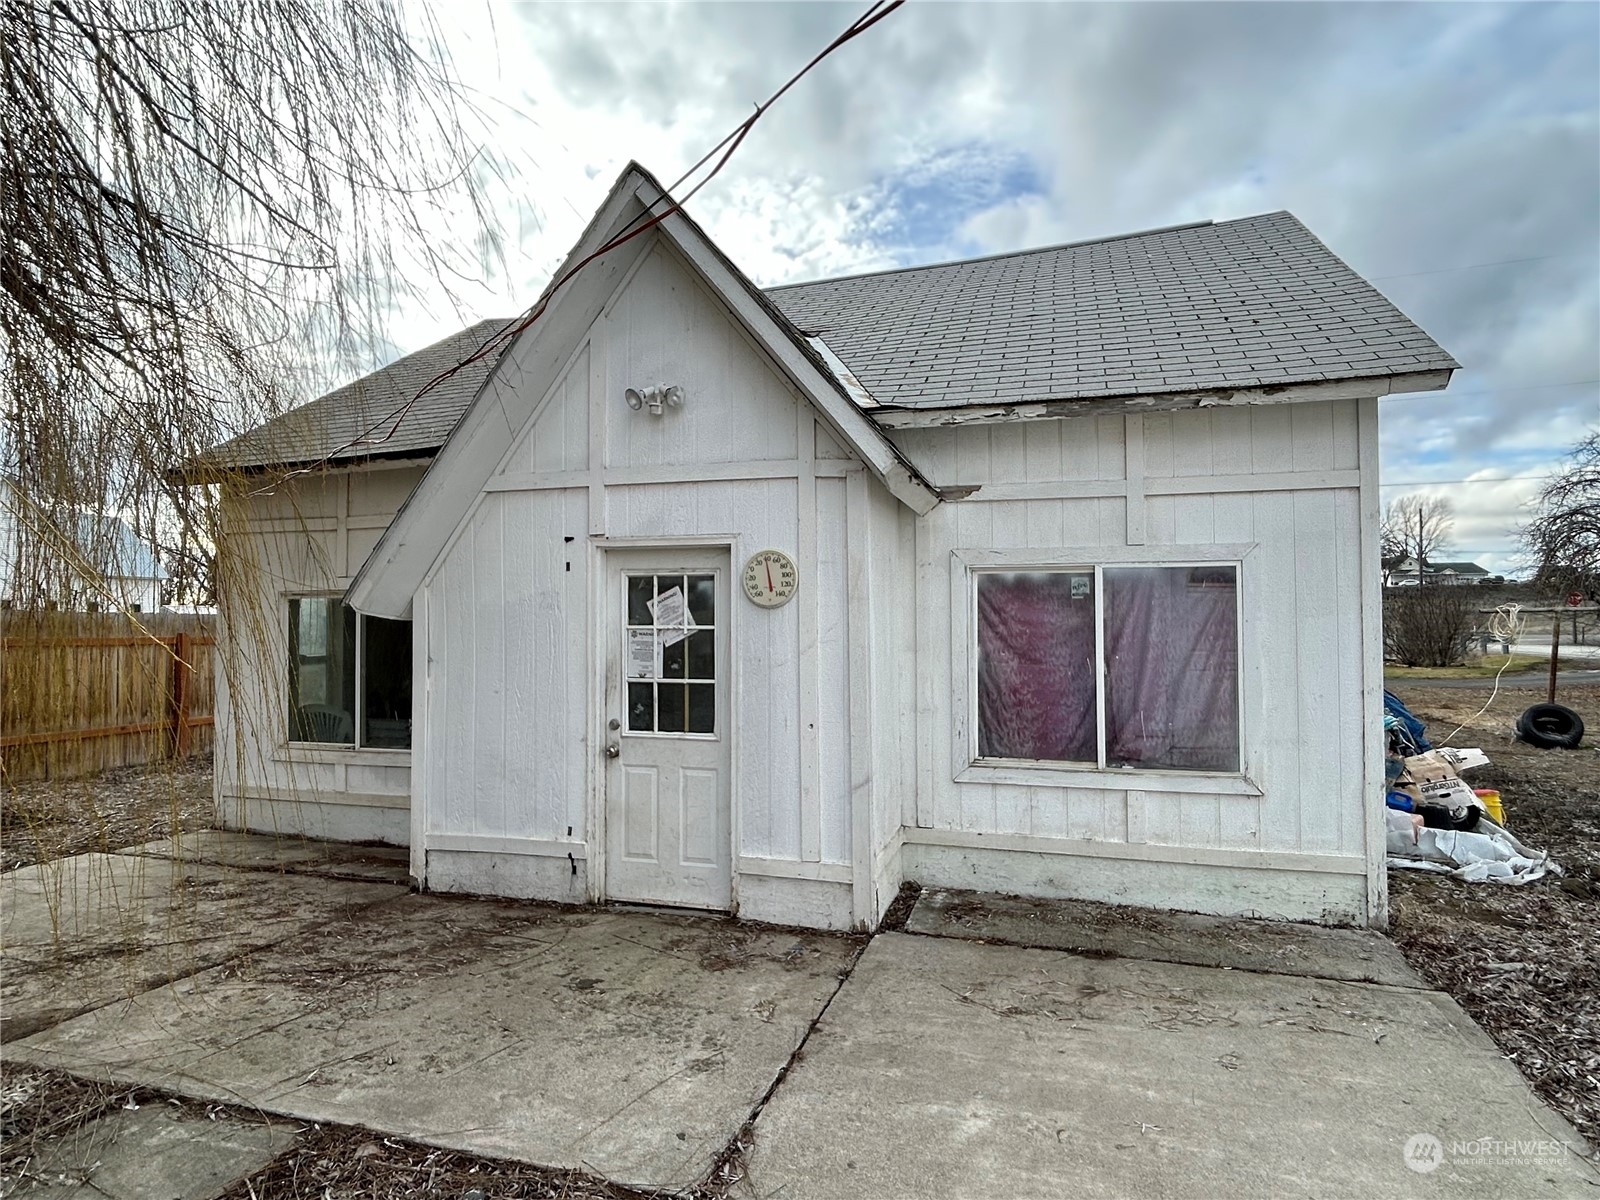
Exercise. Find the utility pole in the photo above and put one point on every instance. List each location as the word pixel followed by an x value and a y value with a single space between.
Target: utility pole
pixel 1419 545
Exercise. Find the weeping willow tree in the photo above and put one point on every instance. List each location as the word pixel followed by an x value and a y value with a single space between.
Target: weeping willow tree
pixel 208 207
pixel 199 198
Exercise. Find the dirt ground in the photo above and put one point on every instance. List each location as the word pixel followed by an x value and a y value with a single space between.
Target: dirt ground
pixel 46 819
pixel 329 1162
pixel 1524 961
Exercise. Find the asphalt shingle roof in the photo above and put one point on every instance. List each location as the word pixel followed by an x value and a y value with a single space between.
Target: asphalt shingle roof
pixel 1255 302
pixel 1248 303
pixel 326 426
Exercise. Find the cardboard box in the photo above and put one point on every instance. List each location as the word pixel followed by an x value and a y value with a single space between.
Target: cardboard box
pixel 1433 780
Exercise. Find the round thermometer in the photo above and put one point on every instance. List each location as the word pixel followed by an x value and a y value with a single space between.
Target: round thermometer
pixel 770 579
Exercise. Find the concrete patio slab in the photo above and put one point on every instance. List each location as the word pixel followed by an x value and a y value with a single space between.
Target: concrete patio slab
pixel 946 1068
pixel 1276 947
pixel 152 1152
pixel 264 852
pixel 80 932
pixel 630 1045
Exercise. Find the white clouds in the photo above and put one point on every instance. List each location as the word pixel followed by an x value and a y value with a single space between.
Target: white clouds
pixel 1412 138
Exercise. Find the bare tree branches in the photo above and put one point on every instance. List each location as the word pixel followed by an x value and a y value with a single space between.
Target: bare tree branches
pixel 197 196
pixel 1415 527
pixel 1563 539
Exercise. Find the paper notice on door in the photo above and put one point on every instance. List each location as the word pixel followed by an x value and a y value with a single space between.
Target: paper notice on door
pixel 644 654
pixel 670 610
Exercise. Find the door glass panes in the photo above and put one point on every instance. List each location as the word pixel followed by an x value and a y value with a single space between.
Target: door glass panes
pixel 670 653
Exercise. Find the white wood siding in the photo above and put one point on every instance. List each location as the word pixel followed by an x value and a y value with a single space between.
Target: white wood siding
pixel 1283 480
pixel 305 537
pixel 511 753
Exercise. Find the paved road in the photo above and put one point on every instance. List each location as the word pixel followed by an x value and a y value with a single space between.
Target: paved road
pixel 1530 679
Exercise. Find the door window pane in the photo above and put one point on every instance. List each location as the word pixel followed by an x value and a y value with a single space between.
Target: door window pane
pixel 641 591
pixel 322 671
pixel 673 660
pixel 641 707
pixel 1172 667
pixel 1036 666
pixel 702 651
pixel 703 599
pixel 385 683
pixel 671 708
pixel 702 708
pixel 671 638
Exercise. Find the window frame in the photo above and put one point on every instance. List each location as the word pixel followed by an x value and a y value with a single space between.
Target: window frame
pixel 717 681
pixel 968 766
pixel 354 746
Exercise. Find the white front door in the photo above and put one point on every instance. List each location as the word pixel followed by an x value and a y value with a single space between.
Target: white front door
pixel 669 837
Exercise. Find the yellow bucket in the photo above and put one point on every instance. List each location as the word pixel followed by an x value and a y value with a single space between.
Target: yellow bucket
pixel 1491 802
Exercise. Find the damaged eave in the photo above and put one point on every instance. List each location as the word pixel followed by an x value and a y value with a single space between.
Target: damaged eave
pixel 1046 410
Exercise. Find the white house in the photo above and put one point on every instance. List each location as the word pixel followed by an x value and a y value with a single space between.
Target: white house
pixel 77 560
pixel 1049 573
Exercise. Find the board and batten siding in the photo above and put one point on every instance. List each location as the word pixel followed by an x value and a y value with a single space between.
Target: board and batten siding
pixel 511 776
pixel 1282 483
pixel 306 536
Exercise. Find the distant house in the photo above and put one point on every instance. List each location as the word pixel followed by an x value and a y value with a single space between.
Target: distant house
pixel 1402 572
pixel 85 562
pixel 1049 573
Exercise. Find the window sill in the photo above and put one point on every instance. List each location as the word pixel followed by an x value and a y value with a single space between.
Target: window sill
pixel 1110 779
pixel 316 752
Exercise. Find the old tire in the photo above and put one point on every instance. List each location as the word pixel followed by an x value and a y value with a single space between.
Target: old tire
pixel 1550 727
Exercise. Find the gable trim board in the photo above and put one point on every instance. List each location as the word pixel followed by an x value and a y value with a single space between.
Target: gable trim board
pixel 850 767
pixel 404 556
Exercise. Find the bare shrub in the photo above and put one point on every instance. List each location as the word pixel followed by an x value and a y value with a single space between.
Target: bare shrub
pixel 1428 626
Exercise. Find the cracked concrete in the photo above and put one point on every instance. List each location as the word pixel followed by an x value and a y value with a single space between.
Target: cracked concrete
pixel 82 932
pixel 640 1046
pixel 633 1046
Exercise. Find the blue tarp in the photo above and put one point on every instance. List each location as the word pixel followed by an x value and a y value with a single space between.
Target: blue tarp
pixel 1403 723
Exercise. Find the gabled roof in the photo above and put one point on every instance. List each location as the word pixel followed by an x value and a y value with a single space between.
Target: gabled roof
pixel 502 405
pixel 1458 568
pixel 345 424
pixel 1255 302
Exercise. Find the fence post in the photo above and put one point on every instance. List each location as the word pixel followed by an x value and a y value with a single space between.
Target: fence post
pixel 180 695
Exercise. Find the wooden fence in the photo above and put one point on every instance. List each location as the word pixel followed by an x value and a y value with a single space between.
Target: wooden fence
pixel 80 692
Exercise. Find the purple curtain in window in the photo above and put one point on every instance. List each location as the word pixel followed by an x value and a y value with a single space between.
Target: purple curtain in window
pixel 1036 687
pixel 1172 669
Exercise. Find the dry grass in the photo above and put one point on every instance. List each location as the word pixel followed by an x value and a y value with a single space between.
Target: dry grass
pixel 1524 961
pixel 1486 667
pixel 49 819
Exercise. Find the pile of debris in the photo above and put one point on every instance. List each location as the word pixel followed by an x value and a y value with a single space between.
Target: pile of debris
pixel 1436 822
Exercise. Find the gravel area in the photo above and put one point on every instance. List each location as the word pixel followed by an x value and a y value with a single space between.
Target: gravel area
pixel 45 819
pixel 1524 961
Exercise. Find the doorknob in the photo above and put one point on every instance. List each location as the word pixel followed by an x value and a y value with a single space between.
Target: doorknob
pixel 613 750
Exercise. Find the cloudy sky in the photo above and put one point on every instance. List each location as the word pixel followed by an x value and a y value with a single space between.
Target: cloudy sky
pixel 1449 153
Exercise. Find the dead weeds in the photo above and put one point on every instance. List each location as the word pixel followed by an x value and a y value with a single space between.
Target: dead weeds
pixel 53 818
pixel 1523 961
